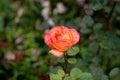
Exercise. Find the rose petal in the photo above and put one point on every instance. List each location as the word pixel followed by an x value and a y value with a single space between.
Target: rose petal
pixel 76 36
pixel 58 28
pixel 47 40
pixel 61 46
pixel 56 53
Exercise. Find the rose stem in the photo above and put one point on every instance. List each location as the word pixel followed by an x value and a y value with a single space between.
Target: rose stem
pixel 110 15
pixel 66 62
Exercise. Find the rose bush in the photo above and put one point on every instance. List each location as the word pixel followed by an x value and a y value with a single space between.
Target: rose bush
pixel 60 39
pixel 23 53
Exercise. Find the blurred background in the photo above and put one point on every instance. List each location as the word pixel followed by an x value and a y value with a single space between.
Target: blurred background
pixel 24 55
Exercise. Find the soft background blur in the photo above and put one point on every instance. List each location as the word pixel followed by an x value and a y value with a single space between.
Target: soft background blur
pixel 24 55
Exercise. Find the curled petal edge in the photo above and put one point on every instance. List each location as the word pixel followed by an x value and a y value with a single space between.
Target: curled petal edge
pixel 56 53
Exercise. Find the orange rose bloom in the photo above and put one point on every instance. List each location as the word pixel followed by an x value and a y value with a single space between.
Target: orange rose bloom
pixel 60 39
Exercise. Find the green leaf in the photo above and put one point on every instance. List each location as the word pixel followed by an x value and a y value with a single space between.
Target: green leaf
pixel 72 60
pixel 61 73
pixel 68 78
pixel 60 59
pixel 93 47
pixel 96 72
pixel 88 20
pixel 114 72
pixel 73 51
pixel 96 7
pixel 75 73
pixel 92 37
pixel 55 77
pixel 84 50
pixel 97 26
pixel 104 77
pixel 14 6
pixel 106 45
pixel 55 69
pixel 86 76
pixel 85 30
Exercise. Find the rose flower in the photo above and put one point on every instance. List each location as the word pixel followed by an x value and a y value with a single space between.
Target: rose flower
pixel 60 39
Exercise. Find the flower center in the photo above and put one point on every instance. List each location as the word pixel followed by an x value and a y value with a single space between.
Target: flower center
pixel 58 36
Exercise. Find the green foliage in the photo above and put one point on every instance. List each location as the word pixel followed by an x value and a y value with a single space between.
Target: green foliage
pixel 96 6
pixel 87 20
pixel 75 74
pixel 55 77
pixel 86 76
pixel 24 55
pixel 73 51
pixel 114 72
pixel 72 60
pixel 68 78
pixel 61 73
pixel 93 47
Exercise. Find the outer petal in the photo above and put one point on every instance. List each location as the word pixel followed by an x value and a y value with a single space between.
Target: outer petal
pixel 57 28
pixel 47 40
pixel 75 35
pixel 56 53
